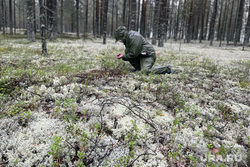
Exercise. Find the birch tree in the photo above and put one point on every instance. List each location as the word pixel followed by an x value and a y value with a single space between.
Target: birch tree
pixel 247 30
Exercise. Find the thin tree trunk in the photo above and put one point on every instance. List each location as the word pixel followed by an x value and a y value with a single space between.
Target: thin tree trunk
pixel 239 22
pixel 101 18
pixel 155 26
pixel 10 14
pixel 133 15
pixel 143 18
pixel 213 22
pixel 177 21
pixel 203 22
pixel 219 36
pixel 229 29
pixel 138 14
pixel 116 15
pixel 94 20
pixel 97 17
pixel 34 16
pixel 124 12
pixel 14 16
pixel 30 21
pixel 86 19
pixel 77 19
pixel 3 16
pixel 61 23
pixel 207 18
pixel 189 28
pixel 247 30
pixel 43 27
pixel 105 14
pixel 162 23
pixel 112 20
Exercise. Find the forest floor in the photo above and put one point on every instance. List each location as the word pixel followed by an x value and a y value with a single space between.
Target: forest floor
pixel 80 106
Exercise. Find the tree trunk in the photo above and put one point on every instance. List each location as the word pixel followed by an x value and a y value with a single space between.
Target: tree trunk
pixel 14 16
pixel 155 24
pixel 86 19
pixel 77 19
pixel 162 23
pixel 30 21
pixel 219 36
pixel 101 17
pixel 207 18
pixel 143 18
pixel 247 30
pixel 213 22
pixel 133 15
pixel 34 3
pixel 94 20
pixel 124 13
pixel 189 27
pixel 105 14
pixel 176 30
pixel 43 27
pixel 61 23
pixel 116 15
pixel 97 17
pixel 138 14
pixel 10 14
pixel 239 22
pixel 203 22
pixel 112 20
pixel 50 20
pixel 229 29
pixel 3 16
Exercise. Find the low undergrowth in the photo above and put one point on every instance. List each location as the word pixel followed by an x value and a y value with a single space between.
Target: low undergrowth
pixel 101 114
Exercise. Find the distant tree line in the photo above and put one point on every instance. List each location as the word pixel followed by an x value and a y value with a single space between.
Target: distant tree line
pixel 221 20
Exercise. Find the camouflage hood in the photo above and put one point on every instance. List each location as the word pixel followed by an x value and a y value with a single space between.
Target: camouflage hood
pixel 120 33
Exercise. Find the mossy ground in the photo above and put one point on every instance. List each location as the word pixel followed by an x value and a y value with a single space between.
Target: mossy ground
pixel 83 94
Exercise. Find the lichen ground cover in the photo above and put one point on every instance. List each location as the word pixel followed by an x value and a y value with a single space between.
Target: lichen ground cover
pixel 80 106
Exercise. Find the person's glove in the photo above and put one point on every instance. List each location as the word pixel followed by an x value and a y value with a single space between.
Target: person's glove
pixel 119 55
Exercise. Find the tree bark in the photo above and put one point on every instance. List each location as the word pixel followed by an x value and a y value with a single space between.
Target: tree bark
pixel 77 19
pixel 10 14
pixel 112 20
pixel 105 14
pixel 3 16
pixel 213 22
pixel 189 27
pixel 247 30
pixel 86 19
pixel 143 18
pixel 61 23
pixel 124 13
pixel 162 23
pixel 97 17
pixel 30 20
pixel 155 24
pixel 203 22
pixel 133 15
pixel 239 22
pixel 43 27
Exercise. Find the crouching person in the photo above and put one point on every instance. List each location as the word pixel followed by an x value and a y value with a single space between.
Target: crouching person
pixel 138 52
